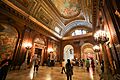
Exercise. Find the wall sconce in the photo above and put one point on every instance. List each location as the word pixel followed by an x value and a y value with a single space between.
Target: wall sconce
pixel 96 48
pixel 50 50
pixel 28 45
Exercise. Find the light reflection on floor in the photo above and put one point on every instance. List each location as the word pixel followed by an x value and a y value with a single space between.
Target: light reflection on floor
pixel 91 73
pixel 46 73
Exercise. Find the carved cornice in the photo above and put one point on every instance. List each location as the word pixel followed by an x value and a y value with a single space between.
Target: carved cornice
pixel 28 18
pixel 95 13
pixel 42 14
pixel 77 37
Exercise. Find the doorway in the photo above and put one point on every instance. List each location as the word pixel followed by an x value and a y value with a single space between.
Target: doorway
pixel 38 51
pixel 68 52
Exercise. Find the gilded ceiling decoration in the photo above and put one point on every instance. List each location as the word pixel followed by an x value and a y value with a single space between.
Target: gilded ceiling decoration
pixel 74 8
pixel 23 2
pixel 61 14
pixel 74 13
pixel 67 7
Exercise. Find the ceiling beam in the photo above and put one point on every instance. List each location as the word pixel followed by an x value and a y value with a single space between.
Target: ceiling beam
pixel 30 17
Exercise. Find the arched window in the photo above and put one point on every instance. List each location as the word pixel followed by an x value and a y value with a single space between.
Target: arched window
pixel 57 29
pixel 79 32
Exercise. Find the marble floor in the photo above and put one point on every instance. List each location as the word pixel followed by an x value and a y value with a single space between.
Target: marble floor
pixel 54 73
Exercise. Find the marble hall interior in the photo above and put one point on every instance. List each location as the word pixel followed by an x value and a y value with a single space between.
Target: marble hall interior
pixel 49 32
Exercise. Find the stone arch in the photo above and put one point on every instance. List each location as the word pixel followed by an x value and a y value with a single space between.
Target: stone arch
pixel 87 51
pixel 39 47
pixel 68 52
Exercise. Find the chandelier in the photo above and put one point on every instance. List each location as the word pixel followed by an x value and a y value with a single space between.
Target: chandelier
pixel 96 48
pixel 101 36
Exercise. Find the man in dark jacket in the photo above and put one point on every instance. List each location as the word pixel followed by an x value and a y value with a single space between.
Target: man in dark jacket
pixel 4 66
pixel 69 70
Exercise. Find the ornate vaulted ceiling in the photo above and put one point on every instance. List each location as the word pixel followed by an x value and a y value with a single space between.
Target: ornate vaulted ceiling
pixel 74 13
pixel 49 14
pixel 74 8
pixel 67 8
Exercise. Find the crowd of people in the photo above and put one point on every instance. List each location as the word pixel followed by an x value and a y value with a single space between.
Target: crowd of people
pixel 86 64
pixel 67 66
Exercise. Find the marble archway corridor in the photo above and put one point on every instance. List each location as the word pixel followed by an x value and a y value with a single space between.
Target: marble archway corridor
pixel 48 73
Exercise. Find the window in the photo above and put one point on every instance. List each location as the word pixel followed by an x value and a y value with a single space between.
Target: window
pixel 84 32
pixel 73 33
pixel 57 29
pixel 79 32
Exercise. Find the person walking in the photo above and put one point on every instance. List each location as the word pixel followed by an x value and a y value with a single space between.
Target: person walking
pixel 92 64
pixel 52 59
pixel 36 66
pixel 102 70
pixel 69 70
pixel 63 66
pixel 81 63
pixel 102 66
pixel 4 66
pixel 87 64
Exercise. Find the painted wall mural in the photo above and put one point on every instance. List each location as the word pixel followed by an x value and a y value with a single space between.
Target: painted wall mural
pixel 8 38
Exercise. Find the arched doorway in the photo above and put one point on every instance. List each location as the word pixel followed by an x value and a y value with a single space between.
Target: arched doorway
pixel 68 52
pixel 87 51
pixel 8 39
pixel 39 48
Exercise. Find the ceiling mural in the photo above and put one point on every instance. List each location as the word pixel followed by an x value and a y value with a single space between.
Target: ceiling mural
pixel 67 7
pixel 74 13
pixel 68 14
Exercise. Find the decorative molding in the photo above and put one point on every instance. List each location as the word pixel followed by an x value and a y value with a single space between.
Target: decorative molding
pixel 77 37
pixel 57 25
pixel 95 9
pixel 44 17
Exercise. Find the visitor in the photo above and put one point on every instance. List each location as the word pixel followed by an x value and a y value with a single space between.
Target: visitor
pixel 92 64
pixel 102 70
pixel 102 66
pixel 69 70
pixel 4 66
pixel 81 63
pixel 52 59
pixel 63 66
pixel 87 64
pixel 48 62
pixel 36 65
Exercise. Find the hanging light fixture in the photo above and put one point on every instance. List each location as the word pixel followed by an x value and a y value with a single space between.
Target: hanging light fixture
pixel 101 36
